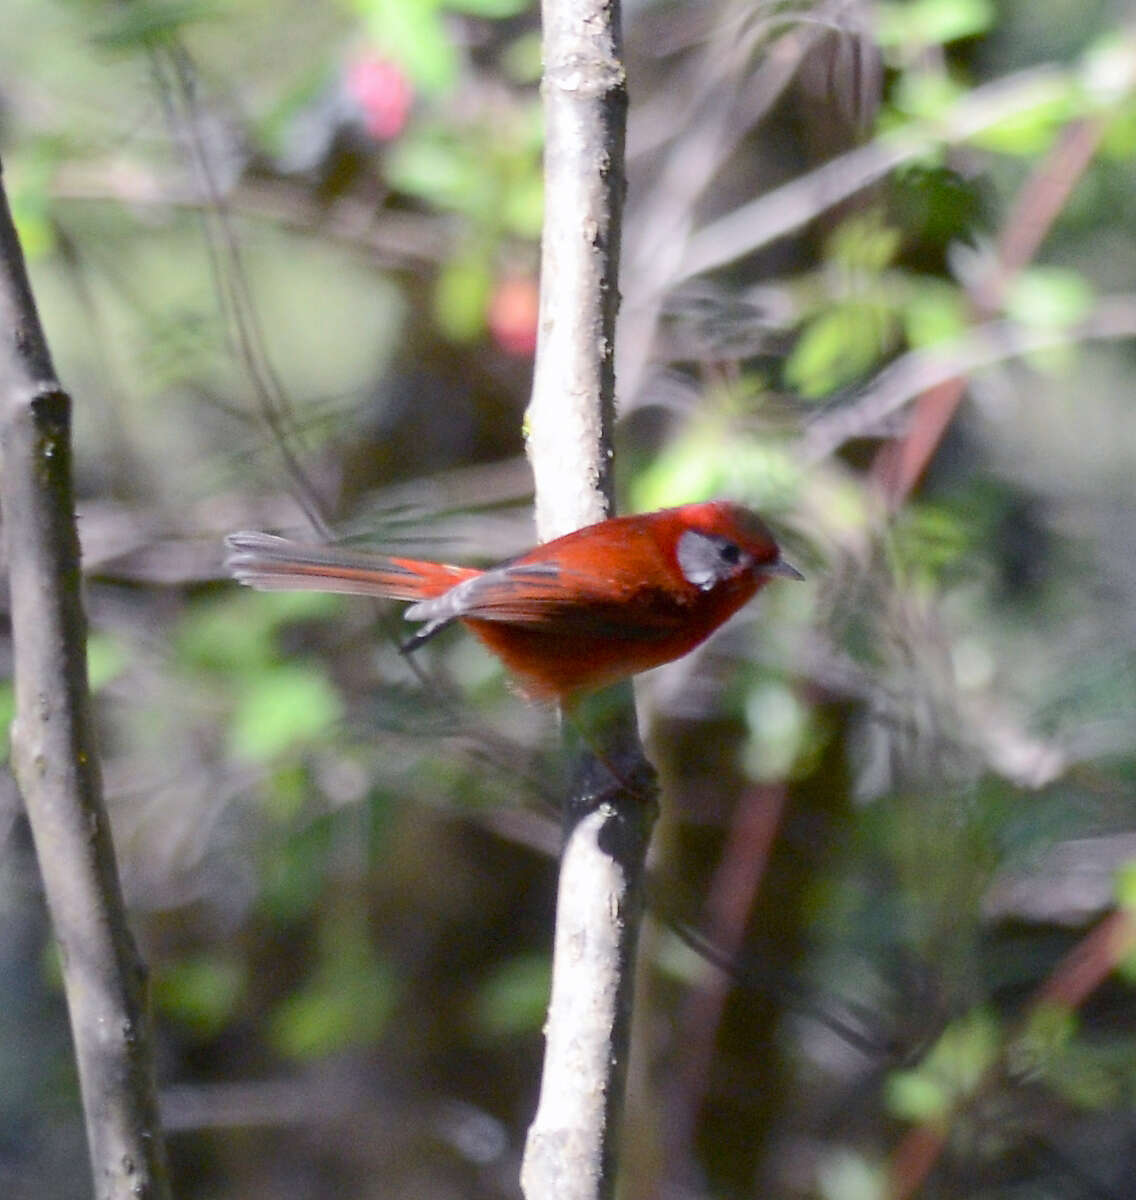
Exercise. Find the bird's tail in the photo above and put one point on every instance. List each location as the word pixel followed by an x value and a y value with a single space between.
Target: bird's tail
pixel 275 564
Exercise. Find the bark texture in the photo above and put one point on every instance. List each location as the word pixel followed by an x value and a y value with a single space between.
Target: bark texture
pixel 572 1145
pixel 55 760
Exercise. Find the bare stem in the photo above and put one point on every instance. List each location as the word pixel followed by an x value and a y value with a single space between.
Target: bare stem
pixel 571 1148
pixel 54 756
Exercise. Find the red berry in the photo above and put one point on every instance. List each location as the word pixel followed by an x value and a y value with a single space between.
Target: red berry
pixel 383 93
pixel 513 312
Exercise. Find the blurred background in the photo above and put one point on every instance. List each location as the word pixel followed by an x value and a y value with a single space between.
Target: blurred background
pixel 878 281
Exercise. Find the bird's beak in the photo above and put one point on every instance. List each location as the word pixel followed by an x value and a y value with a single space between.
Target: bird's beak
pixel 780 567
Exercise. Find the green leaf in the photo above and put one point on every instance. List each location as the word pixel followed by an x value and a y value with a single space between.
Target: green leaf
pixel 1031 132
pixel 490 9
pixel 922 23
pixel 839 346
pixel 864 243
pixel 31 207
pixel 778 724
pixel 283 708
pixel 1049 1030
pixel 521 59
pixel 513 1000
pixel 1106 74
pixel 106 660
pixel 413 33
pixel 522 208
pixel 237 633
pixel 201 993
pixel 294 874
pixel 844 1175
pixel 712 459
pixel 461 298
pixel 952 1071
pixel 934 313
pixel 430 164
pixel 136 25
pixel 1049 298
pixel 924 96
pixel 1126 886
pixel 929 537
pixel 1119 140
pixel 348 1003
pixel 917 1097
pixel 7 712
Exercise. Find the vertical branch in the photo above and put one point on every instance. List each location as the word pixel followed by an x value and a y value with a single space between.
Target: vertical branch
pixel 572 1142
pixel 54 756
pixel 573 402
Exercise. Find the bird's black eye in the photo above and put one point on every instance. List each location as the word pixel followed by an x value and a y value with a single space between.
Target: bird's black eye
pixel 729 553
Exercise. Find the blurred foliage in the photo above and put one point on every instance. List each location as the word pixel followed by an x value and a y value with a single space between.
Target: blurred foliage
pixel 287 260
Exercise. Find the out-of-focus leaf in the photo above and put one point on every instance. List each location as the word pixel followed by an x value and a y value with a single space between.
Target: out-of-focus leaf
pixel 514 998
pixel 521 58
pixel 285 792
pixel 237 632
pixel 7 712
pixel 283 708
pixel 1049 297
pixel 28 196
pixel 1032 131
pixel 713 460
pixel 916 1096
pixel 922 23
pixel 490 9
pixel 935 206
pixel 922 96
pixel 1048 1033
pixel 927 538
pixel 294 874
pixel 201 993
pixel 951 1072
pixel 933 313
pixel 839 346
pixel 1108 70
pixel 143 23
pixel 413 34
pixel 864 243
pixel 1095 1074
pixel 106 659
pixel 1119 140
pixel 846 1176
pixel 1126 886
pixel 347 1003
pixel 461 298
pixel 778 723
pixel 522 212
pixel 433 166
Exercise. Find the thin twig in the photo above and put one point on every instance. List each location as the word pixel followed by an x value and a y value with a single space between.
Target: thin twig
pixel 1072 981
pixel 793 205
pixel 749 843
pixel 900 463
pixel 55 760
pixel 982 346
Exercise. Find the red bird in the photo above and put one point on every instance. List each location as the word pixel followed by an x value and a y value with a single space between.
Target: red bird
pixel 571 615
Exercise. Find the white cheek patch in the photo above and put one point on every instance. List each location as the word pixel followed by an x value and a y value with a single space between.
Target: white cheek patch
pixel 700 559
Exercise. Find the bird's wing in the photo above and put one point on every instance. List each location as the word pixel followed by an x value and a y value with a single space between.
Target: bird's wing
pixel 547 594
